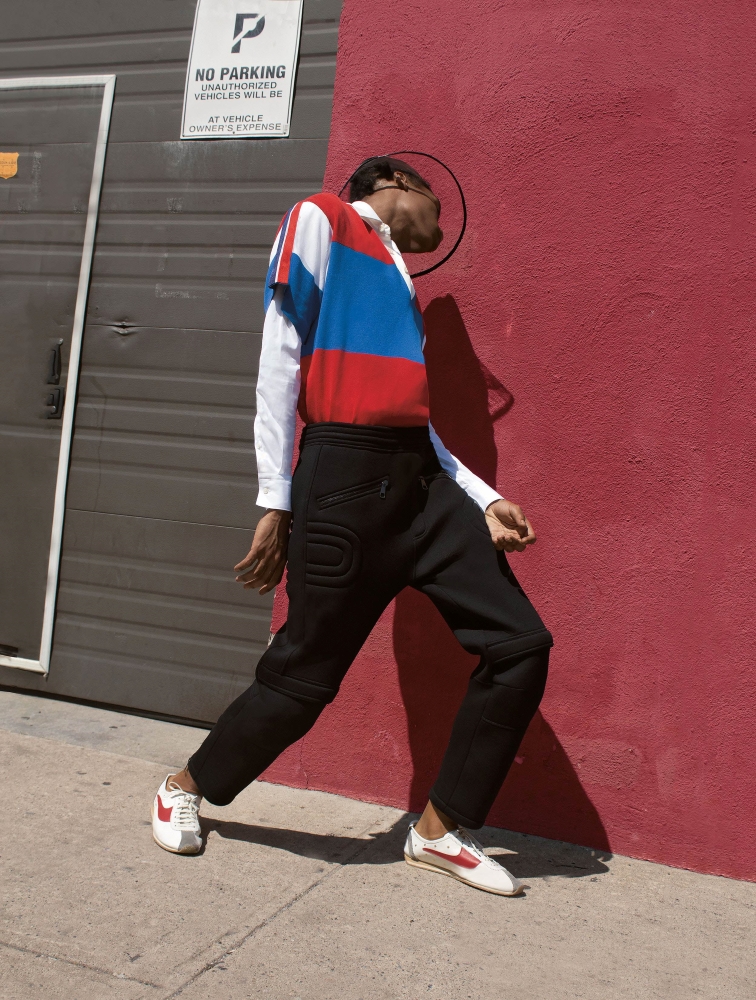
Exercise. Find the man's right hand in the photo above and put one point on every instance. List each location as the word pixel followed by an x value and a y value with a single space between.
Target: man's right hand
pixel 264 564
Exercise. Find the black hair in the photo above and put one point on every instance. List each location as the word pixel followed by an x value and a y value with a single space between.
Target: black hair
pixel 381 168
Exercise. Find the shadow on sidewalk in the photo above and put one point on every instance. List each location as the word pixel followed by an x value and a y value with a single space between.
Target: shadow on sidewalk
pixel 533 857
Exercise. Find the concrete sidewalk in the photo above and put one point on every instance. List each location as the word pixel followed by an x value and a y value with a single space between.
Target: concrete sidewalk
pixel 305 895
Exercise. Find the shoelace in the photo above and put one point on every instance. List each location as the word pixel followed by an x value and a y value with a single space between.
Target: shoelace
pixel 185 813
pixel 185 808
pixel 469 841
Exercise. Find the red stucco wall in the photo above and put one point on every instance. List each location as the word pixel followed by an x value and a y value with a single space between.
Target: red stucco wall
pixel 591 350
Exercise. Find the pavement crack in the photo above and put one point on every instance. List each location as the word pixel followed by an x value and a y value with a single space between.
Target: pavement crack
pixel 121 976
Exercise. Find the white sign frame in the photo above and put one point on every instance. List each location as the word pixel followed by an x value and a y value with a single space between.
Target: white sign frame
pixel 240 64
pixel 42 665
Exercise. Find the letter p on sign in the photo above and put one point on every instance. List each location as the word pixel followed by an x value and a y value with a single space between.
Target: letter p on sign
pixel 241 19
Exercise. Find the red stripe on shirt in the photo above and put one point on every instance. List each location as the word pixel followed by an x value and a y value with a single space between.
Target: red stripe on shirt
pixel 363 389
pixel 282 274
pixel 350 229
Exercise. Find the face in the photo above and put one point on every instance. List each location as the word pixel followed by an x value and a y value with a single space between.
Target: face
pixel 411 210
pixel 421 210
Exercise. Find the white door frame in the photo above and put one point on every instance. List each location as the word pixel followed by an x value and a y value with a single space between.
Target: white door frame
pixel 42 665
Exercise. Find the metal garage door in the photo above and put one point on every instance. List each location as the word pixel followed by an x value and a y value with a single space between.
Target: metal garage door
pixel 53 136
pixel 162 487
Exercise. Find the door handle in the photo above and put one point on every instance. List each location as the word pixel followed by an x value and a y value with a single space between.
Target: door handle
pixel 56 399
pixel 53 376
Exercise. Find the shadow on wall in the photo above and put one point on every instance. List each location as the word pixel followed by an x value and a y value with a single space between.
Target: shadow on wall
pixel 542 793
pixel 473 398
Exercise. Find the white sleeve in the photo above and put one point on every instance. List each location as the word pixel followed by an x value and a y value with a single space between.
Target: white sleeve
pixel 481 492
pixel 277 395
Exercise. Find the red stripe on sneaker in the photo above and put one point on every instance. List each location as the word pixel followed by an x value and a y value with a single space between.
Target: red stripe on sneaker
pixel 464 859
pixel 164 815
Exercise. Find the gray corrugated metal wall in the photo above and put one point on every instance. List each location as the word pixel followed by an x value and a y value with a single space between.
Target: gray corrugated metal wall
pixel 162 488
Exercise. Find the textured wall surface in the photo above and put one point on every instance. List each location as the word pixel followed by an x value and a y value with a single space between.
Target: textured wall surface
pixel 591 350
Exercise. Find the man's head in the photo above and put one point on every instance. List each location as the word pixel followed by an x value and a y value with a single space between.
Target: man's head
pixel 402 199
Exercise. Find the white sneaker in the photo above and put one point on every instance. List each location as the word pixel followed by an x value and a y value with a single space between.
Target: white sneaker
pixel 175 819
pixel 461 856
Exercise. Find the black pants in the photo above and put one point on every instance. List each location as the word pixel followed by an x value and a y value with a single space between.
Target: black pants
pixel 373 513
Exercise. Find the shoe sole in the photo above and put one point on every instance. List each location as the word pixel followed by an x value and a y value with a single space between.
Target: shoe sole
pixel 474 885
pixel 171 850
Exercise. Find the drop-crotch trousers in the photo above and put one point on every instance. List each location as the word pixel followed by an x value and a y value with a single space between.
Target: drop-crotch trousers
pixel 373 512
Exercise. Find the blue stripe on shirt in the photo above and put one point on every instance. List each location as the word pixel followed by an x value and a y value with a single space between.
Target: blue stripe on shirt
pixel 368 309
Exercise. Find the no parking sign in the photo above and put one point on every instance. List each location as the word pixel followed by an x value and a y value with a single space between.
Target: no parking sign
pixel 242 64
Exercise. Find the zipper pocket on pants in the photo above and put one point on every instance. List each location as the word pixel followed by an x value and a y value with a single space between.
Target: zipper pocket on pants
pixel 379 486
pixel 425 481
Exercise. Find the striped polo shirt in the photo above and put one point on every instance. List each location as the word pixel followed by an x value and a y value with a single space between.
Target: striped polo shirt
pixel 357 317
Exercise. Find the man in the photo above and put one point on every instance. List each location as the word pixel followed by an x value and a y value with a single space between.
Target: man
pixel 376 504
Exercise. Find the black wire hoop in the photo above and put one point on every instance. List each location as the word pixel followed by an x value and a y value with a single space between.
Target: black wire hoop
pixel 414 152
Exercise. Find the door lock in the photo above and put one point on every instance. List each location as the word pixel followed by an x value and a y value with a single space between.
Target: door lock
pixel 57 397
pixel 56 400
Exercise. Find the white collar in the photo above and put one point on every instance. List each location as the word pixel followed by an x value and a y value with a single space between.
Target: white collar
pixel 368 213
